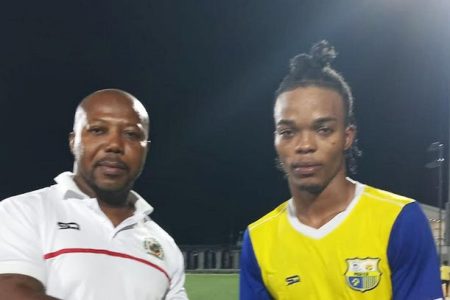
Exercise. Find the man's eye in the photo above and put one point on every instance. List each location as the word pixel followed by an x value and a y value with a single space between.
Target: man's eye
pixel 285 132
pixel 133 135
pixel 324 130
pixel 96 130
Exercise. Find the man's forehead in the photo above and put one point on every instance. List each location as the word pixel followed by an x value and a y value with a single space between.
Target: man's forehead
pixel 112 105
pixel 297 108
pixel 104 99
pixel 114 98
pixel 299 113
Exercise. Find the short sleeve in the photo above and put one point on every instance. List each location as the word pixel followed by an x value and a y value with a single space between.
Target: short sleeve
pixel 20 246
pixel 176 289
pixel 251 285
pixel 413 257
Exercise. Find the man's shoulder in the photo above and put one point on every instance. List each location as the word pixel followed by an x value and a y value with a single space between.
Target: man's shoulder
pixel 162 234
pixel 270 218
pixel 55 191
pixel 30 205
pixel 31 197
pixel 384 198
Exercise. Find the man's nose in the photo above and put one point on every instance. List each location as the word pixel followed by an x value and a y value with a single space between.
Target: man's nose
pixel 305 143
pixel 115 142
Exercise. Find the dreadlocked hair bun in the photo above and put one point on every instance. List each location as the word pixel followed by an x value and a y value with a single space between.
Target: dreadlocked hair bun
pixel 320 56
pixel 323 54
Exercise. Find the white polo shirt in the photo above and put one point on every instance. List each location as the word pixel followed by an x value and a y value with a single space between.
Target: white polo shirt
pixel 61 237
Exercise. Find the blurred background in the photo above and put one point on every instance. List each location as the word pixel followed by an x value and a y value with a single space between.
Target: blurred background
pixel 206 71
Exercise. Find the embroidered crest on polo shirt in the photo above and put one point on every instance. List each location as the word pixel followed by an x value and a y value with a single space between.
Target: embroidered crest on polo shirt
pixel 153 247
pixel 363 274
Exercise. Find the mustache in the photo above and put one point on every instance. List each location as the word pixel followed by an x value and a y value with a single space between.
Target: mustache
pixel 112 162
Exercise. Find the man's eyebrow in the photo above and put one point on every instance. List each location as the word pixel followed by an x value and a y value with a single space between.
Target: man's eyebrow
pixel 325 120
pixel 106 121
pixel 285 122
pixel 96 120
pixel 317 121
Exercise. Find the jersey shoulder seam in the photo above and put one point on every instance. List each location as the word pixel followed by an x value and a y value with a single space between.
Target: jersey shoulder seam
pixel 270 216
pixel 386 197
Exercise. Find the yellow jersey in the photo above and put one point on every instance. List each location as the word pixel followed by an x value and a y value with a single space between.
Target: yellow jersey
pixel 347 258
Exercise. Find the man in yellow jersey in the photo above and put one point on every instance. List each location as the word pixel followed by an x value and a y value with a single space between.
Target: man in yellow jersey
pixel 445 277
pixel 335 238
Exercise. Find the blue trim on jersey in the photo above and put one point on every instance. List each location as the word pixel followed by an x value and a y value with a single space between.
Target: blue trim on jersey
pixel 413 257
pixel 251 285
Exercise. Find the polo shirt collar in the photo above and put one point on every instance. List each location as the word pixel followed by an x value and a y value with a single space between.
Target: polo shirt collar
pixel 70 190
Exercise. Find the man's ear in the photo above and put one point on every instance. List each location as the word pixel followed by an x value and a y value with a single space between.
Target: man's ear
pixel 350 133
pixel 72 142
pixel 147 148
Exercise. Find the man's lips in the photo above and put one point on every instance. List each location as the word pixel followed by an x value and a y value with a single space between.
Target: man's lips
pixel 305 169
pixel 111 167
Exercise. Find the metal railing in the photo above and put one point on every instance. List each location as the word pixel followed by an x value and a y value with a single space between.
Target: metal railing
pixel 211 258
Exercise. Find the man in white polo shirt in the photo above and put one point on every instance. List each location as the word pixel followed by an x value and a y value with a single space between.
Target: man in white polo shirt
pixel 89 236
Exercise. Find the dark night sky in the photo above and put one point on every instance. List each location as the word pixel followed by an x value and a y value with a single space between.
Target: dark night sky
pixel 207 70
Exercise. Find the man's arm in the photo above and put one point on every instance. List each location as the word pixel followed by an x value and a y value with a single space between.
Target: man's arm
pixel 251 285
pixel 177 291
pixel 413 257
pixel 22 287
pixel 22 268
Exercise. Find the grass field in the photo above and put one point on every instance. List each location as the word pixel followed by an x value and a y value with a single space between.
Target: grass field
pixel 212 286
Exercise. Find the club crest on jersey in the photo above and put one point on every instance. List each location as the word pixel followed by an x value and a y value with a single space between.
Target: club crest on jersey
pixel 363 274
pixel 154 248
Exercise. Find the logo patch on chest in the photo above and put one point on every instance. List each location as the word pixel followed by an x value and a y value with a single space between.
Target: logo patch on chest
pixel 292 279
pixel 70 225
pixel 363 274
pixel 153 247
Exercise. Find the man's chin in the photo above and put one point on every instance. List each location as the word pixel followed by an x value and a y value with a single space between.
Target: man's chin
pixel 306 184
pixel 311 188
pixel 113 195
pixel 110 186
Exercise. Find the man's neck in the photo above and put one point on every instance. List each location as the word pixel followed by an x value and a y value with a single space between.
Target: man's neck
pixel 117 214
pixel 315 210
pixel 117 206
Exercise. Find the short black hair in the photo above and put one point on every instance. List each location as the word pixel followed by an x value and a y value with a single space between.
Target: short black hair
pixel 314 69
